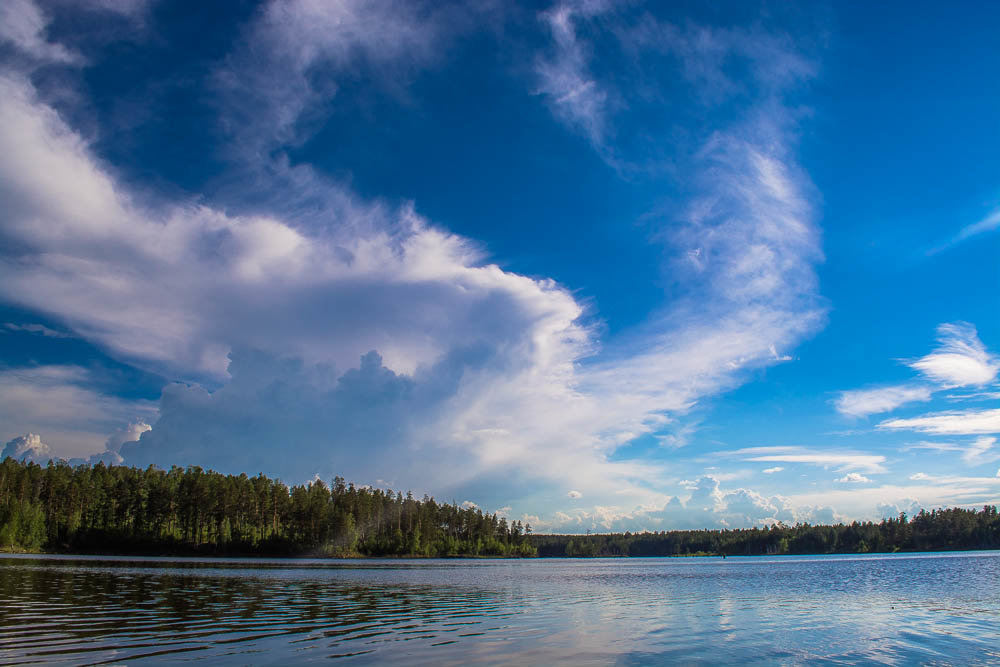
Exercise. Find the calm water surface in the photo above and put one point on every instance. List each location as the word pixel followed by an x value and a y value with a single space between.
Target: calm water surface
pixel 887 609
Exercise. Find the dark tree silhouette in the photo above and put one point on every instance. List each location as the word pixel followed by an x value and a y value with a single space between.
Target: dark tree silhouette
pixel 118 509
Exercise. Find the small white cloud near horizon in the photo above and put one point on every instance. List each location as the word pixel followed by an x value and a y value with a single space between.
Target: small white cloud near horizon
pixel 574 495
pixel 853 478
pixel 62 402
pixel 771 471
pixel 27 447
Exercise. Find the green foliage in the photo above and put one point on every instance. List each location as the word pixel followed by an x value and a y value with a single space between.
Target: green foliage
pixel 126 510
pixel 22 526
pixel 937 530
pixel 118 509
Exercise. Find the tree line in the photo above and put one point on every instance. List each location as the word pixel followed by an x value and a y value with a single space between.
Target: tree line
pixel 936 530
pixel 119 509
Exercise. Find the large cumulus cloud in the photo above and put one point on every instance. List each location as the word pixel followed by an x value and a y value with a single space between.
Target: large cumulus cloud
pixel 281 416
pixel 468 373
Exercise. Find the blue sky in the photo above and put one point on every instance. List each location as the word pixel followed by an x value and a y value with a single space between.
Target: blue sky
pixel 597 266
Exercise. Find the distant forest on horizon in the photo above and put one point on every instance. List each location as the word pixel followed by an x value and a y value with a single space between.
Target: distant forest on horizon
pixel 125 510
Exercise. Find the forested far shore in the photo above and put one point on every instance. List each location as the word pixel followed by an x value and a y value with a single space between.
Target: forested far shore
pixel 124 510
pixel 937 530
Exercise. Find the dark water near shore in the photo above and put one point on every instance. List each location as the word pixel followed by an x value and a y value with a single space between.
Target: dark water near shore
pixel 887 609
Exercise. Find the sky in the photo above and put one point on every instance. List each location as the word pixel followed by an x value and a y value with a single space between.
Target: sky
pixel 591 265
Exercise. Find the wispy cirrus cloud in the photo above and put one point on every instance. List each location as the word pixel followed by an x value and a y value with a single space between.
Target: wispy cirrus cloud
pixel 979 451
pixel 24 24
pixel 842 461
pixel 37 329
pixel 960 359
pixel 294 56
pixel 864 402
pixel 933 446
pixel 575 96
pixel 959 422
pixel 988 224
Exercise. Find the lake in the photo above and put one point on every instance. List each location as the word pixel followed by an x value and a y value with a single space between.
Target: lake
pixel 941 608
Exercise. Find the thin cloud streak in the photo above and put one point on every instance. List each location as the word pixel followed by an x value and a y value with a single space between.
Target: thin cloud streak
pixel 988 224
pixel 965 422
pixel 840 460
pixel 865 402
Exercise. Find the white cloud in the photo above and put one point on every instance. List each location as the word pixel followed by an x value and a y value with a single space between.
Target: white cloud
pixel 771 471
pixel 130 433
pixel 933 446
pixel 63 403
pixel 981 451
pixel 176 289
pixel 967 422
pixel 476 366
pixel 707 506
pixel 892 510
pixel 574 495
pixel 38 329
pixel 954 481
pixel 853 478
pixel 864 402
pixel 841 461
pixel 975 396
pixel 292 56
pixel 988 224
pixel 23 24
pixel 28 447
pixel 575 96
pixel 960 359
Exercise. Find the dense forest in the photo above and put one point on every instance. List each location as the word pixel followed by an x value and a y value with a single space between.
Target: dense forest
pixel 938 530
pixel 117 509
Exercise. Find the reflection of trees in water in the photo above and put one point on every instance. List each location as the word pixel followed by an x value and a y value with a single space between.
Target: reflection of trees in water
pixel 535 612
pixel 130 609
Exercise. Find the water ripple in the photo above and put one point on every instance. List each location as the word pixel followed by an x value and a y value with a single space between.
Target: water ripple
pixel 829 610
